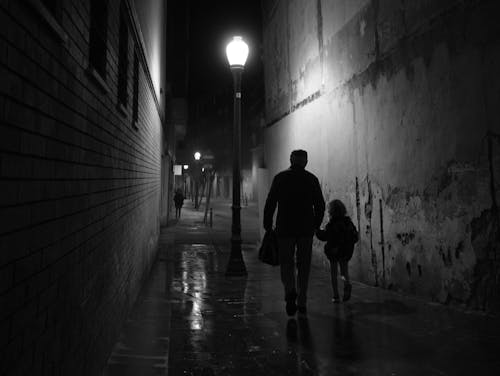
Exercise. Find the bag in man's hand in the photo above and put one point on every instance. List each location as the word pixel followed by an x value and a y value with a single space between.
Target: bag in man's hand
pixel 268 252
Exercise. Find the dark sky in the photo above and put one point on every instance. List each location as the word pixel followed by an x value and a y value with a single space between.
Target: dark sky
pixel 212 25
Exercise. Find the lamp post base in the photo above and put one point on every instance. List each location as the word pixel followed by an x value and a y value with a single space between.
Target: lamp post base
pixel 236 265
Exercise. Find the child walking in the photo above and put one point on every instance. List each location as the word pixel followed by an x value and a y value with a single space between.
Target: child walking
pixel 340 235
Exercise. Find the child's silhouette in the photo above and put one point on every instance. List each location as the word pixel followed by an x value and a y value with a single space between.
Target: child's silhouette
pixel 340 235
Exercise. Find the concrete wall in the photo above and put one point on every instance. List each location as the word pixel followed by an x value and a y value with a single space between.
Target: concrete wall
pixel 80 190
pixel 395 102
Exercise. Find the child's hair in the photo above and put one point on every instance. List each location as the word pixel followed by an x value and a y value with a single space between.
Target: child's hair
pixel 337 209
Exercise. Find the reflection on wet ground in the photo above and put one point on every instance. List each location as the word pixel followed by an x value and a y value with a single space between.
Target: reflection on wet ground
pixel 238 327
pixel 192 320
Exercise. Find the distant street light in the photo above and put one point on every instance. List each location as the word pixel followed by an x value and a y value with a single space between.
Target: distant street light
pixel 237 53
pixel 196 175
pixel 185 168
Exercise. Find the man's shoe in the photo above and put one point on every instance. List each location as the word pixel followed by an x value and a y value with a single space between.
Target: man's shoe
pixel 347 292
pixel 302 310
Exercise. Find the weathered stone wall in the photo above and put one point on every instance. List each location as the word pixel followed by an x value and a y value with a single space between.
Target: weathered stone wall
pixel 395 102
pixel 80 189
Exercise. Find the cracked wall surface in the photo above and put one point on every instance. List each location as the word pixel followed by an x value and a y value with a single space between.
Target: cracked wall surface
pixel 395 102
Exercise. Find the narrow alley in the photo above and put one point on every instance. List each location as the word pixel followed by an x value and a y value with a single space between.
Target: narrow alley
pixel 358 139
pixel 192 320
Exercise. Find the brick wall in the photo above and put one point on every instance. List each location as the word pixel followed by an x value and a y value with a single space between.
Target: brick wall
pixel 79 192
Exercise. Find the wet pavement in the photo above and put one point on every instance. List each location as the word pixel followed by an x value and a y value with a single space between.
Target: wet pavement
pixel 192 320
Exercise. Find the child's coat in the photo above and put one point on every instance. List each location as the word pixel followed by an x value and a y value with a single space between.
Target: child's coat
pixel 340 235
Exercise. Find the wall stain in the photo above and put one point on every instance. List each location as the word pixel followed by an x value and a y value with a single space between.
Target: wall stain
pixel 485 237
pixel 493 192
pixel 377 36
pixel 369 202
pixel 459 249
pixel 451 276
pixel 368 215
pixel 445 254
pixel 405 237
pixel 382 241
pixel 421 45
pixel 408 269
pixel 358 206
pixel 320 38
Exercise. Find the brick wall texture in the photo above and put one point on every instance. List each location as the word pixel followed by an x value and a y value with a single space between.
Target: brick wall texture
pixel 80 190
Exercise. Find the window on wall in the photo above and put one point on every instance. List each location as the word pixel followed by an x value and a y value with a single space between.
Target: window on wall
pixel 135 99
pixel 123 59
pixel 98 36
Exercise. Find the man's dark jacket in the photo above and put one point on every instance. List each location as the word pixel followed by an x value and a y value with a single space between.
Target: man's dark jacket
pixel 301 207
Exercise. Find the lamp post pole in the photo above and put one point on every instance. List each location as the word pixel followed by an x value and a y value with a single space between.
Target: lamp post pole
pixel 236 264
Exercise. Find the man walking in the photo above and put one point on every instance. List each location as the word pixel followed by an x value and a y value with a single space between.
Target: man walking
pixel 301 207
pixel 178 201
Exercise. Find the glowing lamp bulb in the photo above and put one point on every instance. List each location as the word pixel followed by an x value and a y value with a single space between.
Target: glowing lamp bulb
pixel 197 155
pixel 237 52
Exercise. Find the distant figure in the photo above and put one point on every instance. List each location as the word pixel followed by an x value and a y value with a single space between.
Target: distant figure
pixel 340 235
pixel 301 207
pixel 179 201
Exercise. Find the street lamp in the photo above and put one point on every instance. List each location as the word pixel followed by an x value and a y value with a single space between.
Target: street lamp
pixel 237 53
pixel 196 175
pixel 184 173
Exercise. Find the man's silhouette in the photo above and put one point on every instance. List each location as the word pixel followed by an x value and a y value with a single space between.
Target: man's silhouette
pixel 301 207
